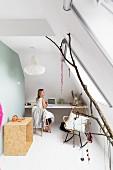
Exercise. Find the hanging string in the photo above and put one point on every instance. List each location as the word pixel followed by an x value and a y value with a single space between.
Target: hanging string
pixel 69 72
pixel 88 135
pixel 89 139
pixel 62 60
pixel 88 153
pixel 91 108
pixel 82 158
pixel 74 119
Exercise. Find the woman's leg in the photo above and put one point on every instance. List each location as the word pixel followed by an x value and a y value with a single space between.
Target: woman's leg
pixel 48 122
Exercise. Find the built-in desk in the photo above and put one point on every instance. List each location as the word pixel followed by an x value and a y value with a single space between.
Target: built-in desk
pixel 59 110
pixel 58 106
pixel 82 108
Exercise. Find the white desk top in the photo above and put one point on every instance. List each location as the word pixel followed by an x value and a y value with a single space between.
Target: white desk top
pixel 68 106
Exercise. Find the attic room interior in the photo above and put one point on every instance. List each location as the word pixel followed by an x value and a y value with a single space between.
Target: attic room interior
pixel 56 99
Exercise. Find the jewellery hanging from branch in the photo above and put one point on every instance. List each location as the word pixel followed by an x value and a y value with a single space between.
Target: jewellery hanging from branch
pixel 87 150
pixel 74 118
pixel 69 71
pixel 62 76
pixel 82 158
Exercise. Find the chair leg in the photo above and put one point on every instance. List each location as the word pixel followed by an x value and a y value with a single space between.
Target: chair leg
pixel 34 130
pixel 66 137
pixel 41 131
pixel 66 140
pixel 80 139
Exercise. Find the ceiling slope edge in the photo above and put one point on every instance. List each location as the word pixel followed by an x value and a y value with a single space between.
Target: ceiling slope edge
pixel 25 27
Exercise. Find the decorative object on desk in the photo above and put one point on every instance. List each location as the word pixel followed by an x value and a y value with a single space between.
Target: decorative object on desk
pixel 60 101
pixel 20 119
pixel 35 68
pixel 52 101
pixel 15 118
pixel 27 104
pixel 79 104
pixel 75 97
pixel 1 115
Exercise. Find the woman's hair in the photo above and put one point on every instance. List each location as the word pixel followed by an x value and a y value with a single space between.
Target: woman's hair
pixel 38 95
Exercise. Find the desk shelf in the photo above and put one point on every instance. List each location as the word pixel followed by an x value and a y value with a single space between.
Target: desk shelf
pixel 64 106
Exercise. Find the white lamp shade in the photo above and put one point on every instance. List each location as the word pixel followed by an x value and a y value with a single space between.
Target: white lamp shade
pixel 34 68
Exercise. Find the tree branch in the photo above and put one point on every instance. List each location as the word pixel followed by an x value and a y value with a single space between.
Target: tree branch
pixel 106 125
pixel 88 94
pixel 95 118
pixel 60 49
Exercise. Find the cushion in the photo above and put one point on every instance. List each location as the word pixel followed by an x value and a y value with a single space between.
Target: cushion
pixel 76 124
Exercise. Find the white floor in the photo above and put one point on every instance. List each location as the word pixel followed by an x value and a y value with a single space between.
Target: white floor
pixel 50 153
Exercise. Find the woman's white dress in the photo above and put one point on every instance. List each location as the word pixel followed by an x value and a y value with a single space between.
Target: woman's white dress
pixel 40 115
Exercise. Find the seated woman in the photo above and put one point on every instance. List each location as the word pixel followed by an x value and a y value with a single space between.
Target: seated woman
pixel 42 104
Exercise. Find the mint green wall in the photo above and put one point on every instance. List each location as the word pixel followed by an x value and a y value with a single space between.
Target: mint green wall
pixel 12 86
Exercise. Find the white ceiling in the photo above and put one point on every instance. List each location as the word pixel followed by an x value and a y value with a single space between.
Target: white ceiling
pixel 25 9
pixel 21 9
pixel 25 27
pixel 50 10
pixel 22 45
pixel 60 21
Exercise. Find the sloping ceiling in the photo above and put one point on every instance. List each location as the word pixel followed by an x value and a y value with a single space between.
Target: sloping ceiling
pixel 61 22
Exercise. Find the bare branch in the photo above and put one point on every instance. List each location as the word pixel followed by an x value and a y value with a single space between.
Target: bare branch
pixel 95 118
pixel 60 49
pixel 71 50
pixel 106 125
pixel 88 94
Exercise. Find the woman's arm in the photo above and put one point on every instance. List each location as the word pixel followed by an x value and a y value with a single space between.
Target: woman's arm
pixel 44 105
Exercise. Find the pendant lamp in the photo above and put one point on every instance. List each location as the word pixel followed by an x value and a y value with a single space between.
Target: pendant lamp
pixel 35 68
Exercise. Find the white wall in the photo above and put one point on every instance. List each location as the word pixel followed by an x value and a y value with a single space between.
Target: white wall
pixel 50 80
pixel 12 94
